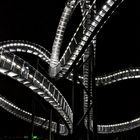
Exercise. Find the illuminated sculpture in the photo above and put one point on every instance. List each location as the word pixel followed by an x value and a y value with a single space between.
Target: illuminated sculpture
pixel 18 69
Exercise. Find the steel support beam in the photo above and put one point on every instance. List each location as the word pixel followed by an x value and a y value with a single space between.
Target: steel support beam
pixel 58 129
pixel 33 116
pixel 93 85
pixel 73 98
pixel 50 125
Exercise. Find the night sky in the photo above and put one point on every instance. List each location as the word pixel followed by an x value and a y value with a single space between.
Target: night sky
pixel 117 48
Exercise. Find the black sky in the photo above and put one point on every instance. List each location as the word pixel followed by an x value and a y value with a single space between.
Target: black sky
pixel 117 48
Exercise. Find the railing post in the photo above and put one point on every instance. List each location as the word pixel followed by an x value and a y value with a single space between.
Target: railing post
pixel 50 125
pixel 32 121
pixel 58 129
pixel 94 99
pixel 73 98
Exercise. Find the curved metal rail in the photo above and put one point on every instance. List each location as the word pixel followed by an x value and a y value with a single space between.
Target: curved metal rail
pixel 77 43
pixel 107 79
pixel 130 73
pixel 28 47
pixel 18 69
pixel 66 14
pixel 125 74
pixel 27 116
pixel 11 68
pixel 113 77
pixel 25 47
pixel 103 129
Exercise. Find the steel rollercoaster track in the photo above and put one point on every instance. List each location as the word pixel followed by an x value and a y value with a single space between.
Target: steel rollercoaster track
pixel 103 129
pixel 28 47
pixel 15 67
pixel 27 116
pixel 102 80
pixel 80 42
pixel 78 45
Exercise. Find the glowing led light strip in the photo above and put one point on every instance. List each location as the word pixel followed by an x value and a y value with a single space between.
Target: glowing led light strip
pixel 71 57
pixel 85 38
pixel 36 84
pixel 85 6
pixel 68 10
pixel 71 60
pixel 103 129
pixel 26 47
pixel 110 78
pixel 7 44
pixel 120 127
pixel 27 116
pixel 98 19
pixel 130 73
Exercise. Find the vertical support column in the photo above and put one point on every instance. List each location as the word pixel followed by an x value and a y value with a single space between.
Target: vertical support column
pixel 89 82
pixel 32 122
pixel 50 125
pixel 94 99
pixel 58 129
pixel 88 72
pixel 73 98
pixel 89 98
pixel 93 75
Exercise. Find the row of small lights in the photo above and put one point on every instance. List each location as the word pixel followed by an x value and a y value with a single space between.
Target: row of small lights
pixel 59 35
pixel 16 107
pixel 132 73
pixel 38 120
pixel 30 49
pixel 118 76
pixel 60 111
pixel 32 87
pixel 98 17
pixel 112 128
pixel 115 125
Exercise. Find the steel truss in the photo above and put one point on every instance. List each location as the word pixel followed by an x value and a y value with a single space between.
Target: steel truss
pixel 18 69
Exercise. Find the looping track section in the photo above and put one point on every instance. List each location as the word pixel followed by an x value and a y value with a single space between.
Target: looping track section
pixel 80 40
pixel 18 69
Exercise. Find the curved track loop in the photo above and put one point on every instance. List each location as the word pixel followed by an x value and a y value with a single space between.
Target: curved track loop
pixel 102 80
pixel 130 73
pixel 27 116
pixel 22 72
pixel 77 43
pixel 120 127
pixel 26 47
pixel 110 78
pixel 18 69
pixel 85 6
pixel 38 121
pixel 68 10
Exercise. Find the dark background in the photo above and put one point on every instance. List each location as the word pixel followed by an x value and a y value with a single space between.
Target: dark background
pixel 117 48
